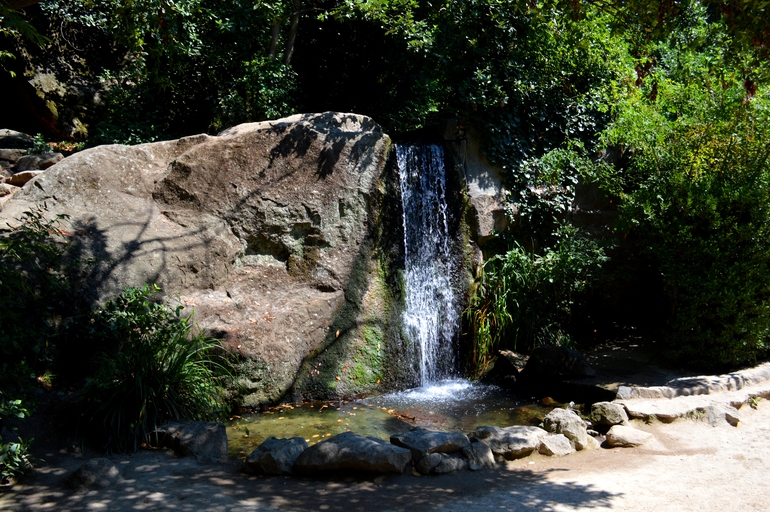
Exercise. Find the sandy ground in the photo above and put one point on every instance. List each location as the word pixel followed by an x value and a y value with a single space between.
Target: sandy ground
pixel 689 465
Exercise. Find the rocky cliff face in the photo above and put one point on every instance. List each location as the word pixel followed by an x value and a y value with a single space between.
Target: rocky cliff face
pixel 275 233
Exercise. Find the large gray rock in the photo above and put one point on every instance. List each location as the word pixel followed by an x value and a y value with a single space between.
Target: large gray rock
pixel 275 456
pixel 11 139
pixel 352 451
pixel 556 446
pixel 450 464
pixel 567 422
pixel 510 443
pixel 39 162
pixel 98 472
pixel 422 442
pixel 608 413
pixel 265 231
pixel 12 155
pixel 626 437
pixel 204 440
pixel 479 455
pixel 428 463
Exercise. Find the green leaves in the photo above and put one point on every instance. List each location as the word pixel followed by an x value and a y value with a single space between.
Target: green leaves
pixel 695 196
pixel 525 299
pixel 153 370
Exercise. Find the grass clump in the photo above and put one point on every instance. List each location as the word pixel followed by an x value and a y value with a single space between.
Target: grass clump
pixel 153 370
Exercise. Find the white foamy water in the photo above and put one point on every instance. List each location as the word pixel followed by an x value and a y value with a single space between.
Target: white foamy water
pixel 431 313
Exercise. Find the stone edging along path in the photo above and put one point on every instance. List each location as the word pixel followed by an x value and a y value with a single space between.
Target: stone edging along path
pixel 713 397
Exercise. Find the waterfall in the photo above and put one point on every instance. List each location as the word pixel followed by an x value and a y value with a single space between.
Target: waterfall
pixel 431 313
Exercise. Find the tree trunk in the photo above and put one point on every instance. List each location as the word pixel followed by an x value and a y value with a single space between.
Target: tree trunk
pixel 276 32
pixel 292 33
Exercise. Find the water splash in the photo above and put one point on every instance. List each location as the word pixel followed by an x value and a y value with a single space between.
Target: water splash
pixel 431 314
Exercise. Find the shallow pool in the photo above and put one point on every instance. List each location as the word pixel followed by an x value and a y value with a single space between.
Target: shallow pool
pixel 454 405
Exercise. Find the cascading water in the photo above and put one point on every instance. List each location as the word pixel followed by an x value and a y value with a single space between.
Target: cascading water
pixel 431 311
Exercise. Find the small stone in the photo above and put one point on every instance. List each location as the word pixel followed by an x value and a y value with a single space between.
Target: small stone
pixel 608 413
pixel 556 446
pixel 99 472
pixel 21 178
pixel 626 437
pixel 567 422
pixel 205 440
pixel 592 444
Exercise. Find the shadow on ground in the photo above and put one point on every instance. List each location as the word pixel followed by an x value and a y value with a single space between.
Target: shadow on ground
pixel 159 481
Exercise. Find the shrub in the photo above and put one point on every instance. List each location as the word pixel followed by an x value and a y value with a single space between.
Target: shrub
pixel 154 370
pixel 525 299
pixel 34 303
pixel 15 457
pixel 696 198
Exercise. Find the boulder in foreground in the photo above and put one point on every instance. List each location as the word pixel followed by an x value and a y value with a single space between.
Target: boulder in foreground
pixel 353 451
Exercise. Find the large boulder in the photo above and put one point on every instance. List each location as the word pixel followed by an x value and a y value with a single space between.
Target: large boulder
pixel 265 231
pixel 204 440
pixel 11 139
pixel 351 451
pixel 479 455
pixel 421 442
pixel 275 456
pixel 510 443
pixel 38 162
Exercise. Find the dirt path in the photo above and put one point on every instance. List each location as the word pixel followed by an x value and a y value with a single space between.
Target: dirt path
pixel 690 465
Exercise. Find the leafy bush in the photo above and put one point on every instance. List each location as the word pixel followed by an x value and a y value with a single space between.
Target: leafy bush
pixel 15 457
pixel 525 299
pixel 696 199
pixel 154 370
pixel 34 305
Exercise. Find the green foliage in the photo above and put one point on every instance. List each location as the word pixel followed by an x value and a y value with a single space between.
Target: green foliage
pixel 15 457
pixel 34 303
pixel 264 89
pixel 40 146
pixel 525 299
pixel 695 198
pixel 153 370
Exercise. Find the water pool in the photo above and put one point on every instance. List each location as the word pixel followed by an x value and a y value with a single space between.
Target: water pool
pixel 452 405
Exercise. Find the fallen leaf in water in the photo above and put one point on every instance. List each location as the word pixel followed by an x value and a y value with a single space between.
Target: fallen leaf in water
pixel 339 421
pixel 338 334
pixel 415 473
pixel 316 435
